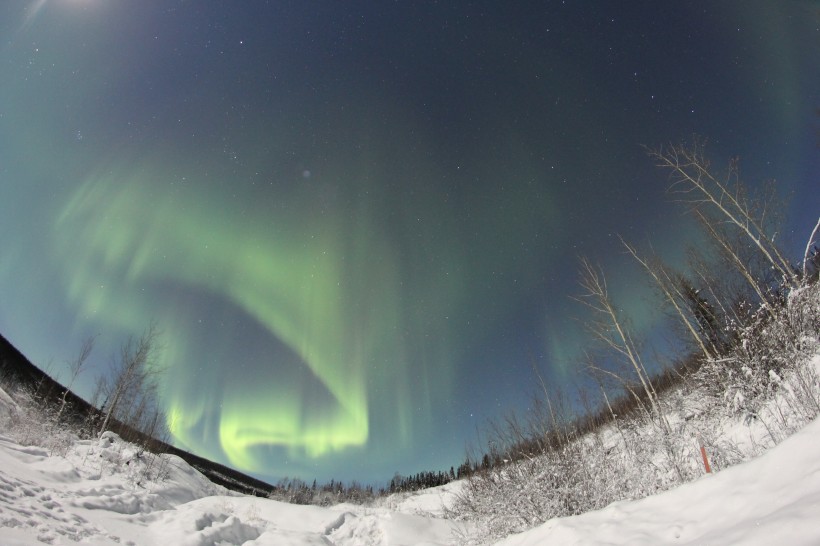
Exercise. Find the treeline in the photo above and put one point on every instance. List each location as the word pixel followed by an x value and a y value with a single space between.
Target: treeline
pixel 421 480
pixel 296 491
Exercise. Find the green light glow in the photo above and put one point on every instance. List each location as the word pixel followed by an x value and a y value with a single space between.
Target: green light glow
pixel 298 285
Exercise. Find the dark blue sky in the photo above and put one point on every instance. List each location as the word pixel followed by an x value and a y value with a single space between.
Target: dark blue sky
pixel 357 223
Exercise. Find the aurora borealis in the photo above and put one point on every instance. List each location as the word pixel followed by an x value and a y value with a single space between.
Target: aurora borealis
pixel 356 223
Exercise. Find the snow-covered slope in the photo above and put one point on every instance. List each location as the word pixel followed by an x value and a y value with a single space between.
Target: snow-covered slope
pixel 98 495
pixel 774 499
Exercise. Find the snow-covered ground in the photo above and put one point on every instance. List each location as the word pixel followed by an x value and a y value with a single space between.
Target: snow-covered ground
pixel 774 499
pixel 93 496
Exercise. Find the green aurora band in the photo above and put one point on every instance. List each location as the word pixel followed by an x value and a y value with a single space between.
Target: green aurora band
pixel 296 285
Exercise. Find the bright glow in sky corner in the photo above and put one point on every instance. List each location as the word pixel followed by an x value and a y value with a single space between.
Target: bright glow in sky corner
pixel 37 6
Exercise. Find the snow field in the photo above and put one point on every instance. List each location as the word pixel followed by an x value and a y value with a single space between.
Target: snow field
pixel 97 495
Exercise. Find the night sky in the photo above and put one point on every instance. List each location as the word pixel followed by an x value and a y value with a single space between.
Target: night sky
pixel 357 223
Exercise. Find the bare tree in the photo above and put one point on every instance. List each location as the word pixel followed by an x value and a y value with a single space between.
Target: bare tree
pixel 133 381
pixel 99 391
pixel 732 254
pixel 808 249
pixel 693 179
pixel 610 329
pixel 76 367
pixel 665 282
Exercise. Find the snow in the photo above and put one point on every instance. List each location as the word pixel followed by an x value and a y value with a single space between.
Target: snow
pixel 773 499
pixel 90 496
pixel 102 492
pixel 432 501
pixel 98 495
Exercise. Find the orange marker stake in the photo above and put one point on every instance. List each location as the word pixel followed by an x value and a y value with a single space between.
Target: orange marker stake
pixel 705 458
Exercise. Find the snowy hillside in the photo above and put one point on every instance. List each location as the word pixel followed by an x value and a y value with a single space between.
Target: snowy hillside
pixel 94 496
pixel 773 499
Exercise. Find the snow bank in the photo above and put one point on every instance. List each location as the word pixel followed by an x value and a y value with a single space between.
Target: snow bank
pixel 433 501
pixel 773 499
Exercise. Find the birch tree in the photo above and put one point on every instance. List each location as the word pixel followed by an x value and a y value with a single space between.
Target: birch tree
pixel 76 367
pixel 132 383
pixel 726 200
pixel 609 328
